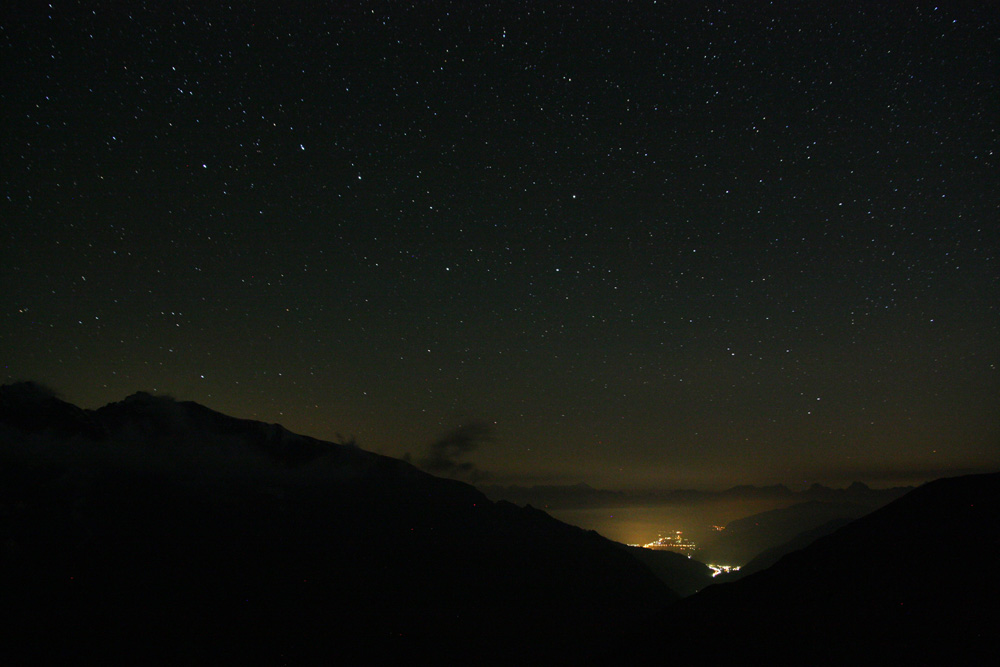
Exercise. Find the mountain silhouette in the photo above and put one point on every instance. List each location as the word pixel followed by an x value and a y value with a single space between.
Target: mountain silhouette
pixel 769 557
pixel 581 495
pixel 745 538
pixel 913 583
pixel 29 409
pixel 154 531
pixel 684 575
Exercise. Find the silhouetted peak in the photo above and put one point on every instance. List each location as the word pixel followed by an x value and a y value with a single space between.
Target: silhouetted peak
pixel 28 391
pixel 35 408
pixel 145 417
pixel 141 397
pixel 259 528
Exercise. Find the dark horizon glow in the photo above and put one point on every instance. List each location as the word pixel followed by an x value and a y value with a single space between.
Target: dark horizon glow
pixel 649 246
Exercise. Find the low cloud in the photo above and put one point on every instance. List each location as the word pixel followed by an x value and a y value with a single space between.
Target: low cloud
pixel 446 455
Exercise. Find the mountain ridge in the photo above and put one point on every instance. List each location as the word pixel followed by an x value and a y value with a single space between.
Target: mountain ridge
pixel 153 530
pixel 883 589
pixel 583 495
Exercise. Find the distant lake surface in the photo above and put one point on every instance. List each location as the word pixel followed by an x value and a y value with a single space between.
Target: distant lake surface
pixel 643 524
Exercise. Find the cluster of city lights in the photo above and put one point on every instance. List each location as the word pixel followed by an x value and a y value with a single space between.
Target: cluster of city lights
pixel 674 541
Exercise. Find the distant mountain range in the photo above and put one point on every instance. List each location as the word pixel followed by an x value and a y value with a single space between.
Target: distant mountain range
pixel 582 495
pixel 747 538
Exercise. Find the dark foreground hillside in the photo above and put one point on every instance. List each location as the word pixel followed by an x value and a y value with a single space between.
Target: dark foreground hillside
pixel 746 538
pixel 914 583
pixel 157 532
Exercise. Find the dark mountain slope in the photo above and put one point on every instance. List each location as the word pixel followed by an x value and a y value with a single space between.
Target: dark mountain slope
pixel 745 538
pixel 160 532
pixel 680 573
pixel 31 410
pixel 771 556
pixel 149 420
pixel 913 583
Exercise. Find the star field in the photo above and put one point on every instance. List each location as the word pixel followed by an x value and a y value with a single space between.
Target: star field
pixel 649 244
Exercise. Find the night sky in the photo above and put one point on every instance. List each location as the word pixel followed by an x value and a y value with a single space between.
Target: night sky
pixel 674 244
